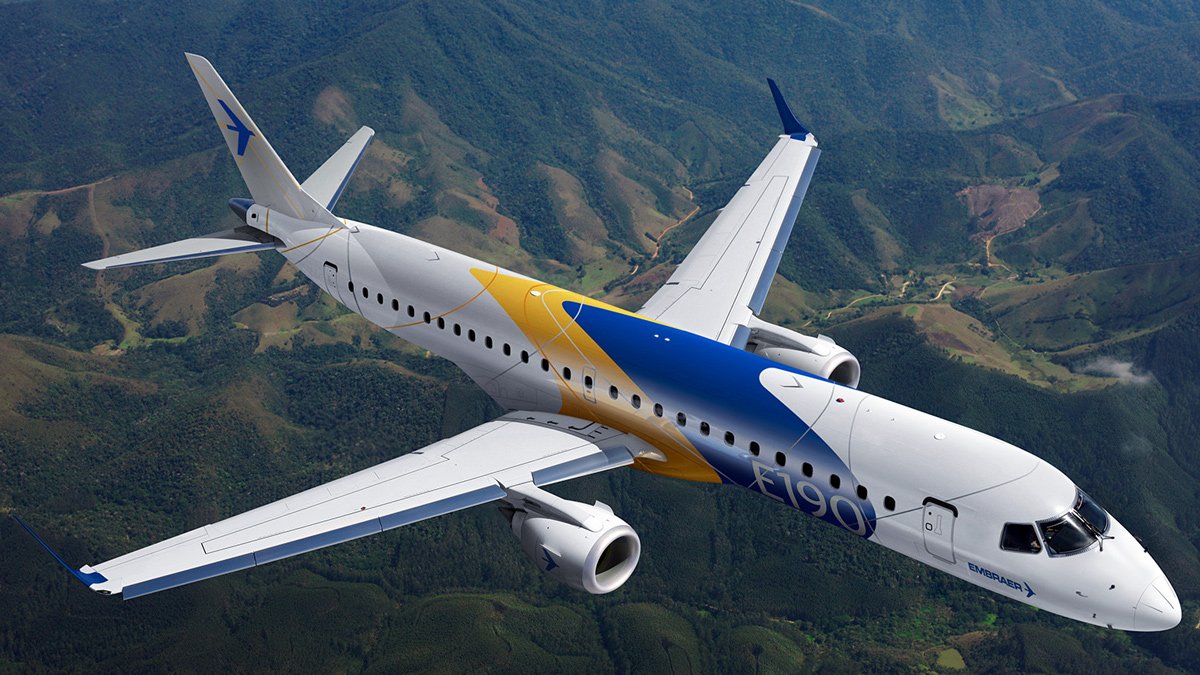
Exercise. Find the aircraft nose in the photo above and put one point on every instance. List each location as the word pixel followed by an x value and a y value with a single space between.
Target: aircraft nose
pixel 1158 608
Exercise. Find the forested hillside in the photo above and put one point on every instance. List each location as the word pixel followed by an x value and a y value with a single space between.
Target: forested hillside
pixel 1003 227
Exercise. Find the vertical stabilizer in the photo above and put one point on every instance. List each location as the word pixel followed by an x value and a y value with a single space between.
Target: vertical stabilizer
pixel 269 180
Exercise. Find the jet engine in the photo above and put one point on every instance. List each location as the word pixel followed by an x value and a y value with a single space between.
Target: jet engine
pixel 583 546
pixel 819 355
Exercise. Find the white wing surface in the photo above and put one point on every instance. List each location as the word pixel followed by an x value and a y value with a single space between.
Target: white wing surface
pixel 466 470
pixel 725 279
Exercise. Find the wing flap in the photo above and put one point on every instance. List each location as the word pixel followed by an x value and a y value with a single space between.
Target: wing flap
pixel 454 474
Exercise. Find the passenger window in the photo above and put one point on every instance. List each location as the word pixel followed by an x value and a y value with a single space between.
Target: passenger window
pixel 754 448
pixel 658 410
pixel 566 373
pixel 861 491
pixel 835 481
pixel 366 293
pixel 458 329
pixel 704 428
pixel 780 458
pixel 635 401
pixel 507 349
pixel 412 311
pixel 442 322
pixel 889 503
pixel 1021 537
pixel 487 342
pixel 587 381
pixel 379 298
pixel 524 356
pixel 728 438
pixel 426 317
pixel 613 393
pixel 350 285
pixel 806 469
pixel 395 305
pixel 471 335
pixel 681 419
pixel 545 365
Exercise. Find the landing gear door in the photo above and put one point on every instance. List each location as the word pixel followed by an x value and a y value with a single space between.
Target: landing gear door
pixel 938 528
pixel 331 279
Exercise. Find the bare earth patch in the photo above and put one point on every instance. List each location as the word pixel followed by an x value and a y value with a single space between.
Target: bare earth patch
pixel 1000 209
pixel 332 106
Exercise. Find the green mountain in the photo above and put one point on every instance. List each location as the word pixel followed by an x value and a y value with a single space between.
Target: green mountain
pixel 1002 227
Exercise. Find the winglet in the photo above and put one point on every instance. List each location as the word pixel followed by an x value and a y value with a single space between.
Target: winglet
pixel 791 125
pixel 88 578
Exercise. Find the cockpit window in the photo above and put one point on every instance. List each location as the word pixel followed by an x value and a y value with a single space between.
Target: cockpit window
pixel 1020 537
pixel 1066 534
pixel 1090 511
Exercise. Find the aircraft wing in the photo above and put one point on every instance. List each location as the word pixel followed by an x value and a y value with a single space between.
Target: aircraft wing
pixel 472 468
pixel 724 281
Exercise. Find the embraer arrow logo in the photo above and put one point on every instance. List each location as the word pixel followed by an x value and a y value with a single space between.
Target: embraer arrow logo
pixel 242 130
pixel 1022 586
pixel 550 564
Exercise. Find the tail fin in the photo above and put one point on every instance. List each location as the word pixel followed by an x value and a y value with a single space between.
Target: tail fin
pixel 270 182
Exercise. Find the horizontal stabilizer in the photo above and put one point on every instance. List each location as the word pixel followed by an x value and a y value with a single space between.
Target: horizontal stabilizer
pixel 238 240
pixel 327 183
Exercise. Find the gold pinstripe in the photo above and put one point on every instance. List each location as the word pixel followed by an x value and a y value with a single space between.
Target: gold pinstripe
pixel 495 273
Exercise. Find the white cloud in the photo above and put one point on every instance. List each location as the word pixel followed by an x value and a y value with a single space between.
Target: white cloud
pixel 1123 371
pixel 1137 446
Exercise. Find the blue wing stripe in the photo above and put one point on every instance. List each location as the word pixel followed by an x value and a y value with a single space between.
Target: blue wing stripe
pixel 188 576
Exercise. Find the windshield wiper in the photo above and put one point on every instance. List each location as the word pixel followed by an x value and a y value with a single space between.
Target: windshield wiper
pixel 1094 530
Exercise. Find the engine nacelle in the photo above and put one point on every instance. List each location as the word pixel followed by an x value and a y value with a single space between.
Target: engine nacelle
pixel 596 553
pixel 819 355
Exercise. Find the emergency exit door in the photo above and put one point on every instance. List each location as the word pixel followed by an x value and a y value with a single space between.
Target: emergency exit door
pixel 938 528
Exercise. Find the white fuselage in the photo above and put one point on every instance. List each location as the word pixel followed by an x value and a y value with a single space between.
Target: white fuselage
pixel 935 491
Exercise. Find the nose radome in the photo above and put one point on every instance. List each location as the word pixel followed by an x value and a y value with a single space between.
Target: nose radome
pixel 1158 609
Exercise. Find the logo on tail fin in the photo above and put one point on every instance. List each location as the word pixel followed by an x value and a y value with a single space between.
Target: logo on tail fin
pixel 243 132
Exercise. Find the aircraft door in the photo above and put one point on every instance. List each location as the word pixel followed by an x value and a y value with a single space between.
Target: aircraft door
pixel 938 528
pixel 589 383
pixel 331 279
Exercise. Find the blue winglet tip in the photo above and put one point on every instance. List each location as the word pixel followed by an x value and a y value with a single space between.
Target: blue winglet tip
pixel 88 578
pixel 791 125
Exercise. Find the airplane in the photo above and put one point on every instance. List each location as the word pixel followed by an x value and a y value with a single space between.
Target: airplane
pixel 693 386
